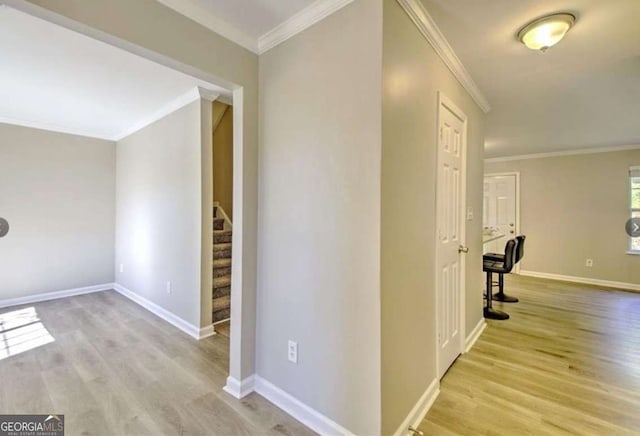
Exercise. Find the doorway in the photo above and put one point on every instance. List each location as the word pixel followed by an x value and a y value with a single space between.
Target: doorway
pixel 222 170
pixel 450 232
pixel 241 352
pixel 501 209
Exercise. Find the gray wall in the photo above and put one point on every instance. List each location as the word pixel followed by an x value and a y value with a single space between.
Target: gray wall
pixel 319 247
pixel 158 212
pixel 574 208
pixel 57 192
pixel 412 76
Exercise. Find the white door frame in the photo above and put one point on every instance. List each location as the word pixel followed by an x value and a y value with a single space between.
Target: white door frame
pixel 445 102
pixel 517 176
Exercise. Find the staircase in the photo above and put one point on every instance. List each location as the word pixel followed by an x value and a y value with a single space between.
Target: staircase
pixel 221 266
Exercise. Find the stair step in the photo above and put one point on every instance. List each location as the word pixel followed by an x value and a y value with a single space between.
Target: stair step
pixel 222 236
pixel 221 247
pixel 221 251
pixel 218 224
pixel 221 282
pixel 222 263
pixel 221 315
pixel 220 272
pixel 221 303
pixel 221 292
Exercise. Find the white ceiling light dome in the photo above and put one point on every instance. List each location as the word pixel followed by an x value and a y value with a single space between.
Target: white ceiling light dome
pixel 547 31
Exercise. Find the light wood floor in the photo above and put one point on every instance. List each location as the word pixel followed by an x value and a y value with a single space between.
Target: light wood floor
pixel 567 362
pixel 224 329
pixel 115 369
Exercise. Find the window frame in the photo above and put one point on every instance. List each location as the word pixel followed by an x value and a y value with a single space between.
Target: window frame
pixel 634 173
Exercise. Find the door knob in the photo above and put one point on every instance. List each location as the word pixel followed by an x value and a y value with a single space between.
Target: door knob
pixel 463 249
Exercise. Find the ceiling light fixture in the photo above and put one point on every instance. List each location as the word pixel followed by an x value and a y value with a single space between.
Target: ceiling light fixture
pixel 547 31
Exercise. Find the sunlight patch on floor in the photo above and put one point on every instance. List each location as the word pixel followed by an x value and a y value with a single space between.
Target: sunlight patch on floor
pixel 21 330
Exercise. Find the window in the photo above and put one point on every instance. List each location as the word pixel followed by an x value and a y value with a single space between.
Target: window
pixel 634 204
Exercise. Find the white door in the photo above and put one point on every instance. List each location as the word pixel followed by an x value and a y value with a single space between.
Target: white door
pixel 450 207
pixel 500 209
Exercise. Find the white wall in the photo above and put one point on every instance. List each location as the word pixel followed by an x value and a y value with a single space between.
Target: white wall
pixel 57 192
pixel 158 212
pixel 319 228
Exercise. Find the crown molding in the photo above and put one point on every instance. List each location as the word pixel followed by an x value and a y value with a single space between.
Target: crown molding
pixel 207 94
pixel 419 15
pixel 183 100
pixel 53 128
pixel 304 19
pixel 188 97
pixel 563 153
pixel 206 18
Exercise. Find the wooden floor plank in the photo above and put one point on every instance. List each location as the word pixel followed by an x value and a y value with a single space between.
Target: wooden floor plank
pixel 113 368
pixel 566 362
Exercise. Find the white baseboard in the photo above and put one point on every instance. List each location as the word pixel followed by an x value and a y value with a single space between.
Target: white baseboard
pixel 239 389
pixel 584 280
pixel 54 295
pixel 474 335
pixel 176 321
pixel 207 331
pixel 300 411
pixel 419 411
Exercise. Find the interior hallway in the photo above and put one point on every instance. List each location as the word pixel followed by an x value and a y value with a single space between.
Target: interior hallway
pixel 567 362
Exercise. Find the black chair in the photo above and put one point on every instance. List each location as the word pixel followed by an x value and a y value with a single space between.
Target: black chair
pixel 497 257
pixel 491 266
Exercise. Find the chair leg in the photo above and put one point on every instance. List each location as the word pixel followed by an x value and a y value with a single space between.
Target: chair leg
pixel 500 295
pixel 489 312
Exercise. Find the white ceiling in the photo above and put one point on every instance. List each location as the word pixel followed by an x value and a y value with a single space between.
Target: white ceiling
pixel 582 93
pixel 246 21
pixel 56 79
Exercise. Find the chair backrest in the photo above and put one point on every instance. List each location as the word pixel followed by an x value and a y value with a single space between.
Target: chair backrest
pixel 509 255
pixel 520 247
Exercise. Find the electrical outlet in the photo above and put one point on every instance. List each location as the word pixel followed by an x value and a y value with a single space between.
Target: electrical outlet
pixel 168 287
pixel 589 263
pixel 121 268
pixel 292 352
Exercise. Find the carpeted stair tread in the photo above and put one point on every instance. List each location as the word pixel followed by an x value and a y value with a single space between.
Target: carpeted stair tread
pixel 221 292
pixel 222 263
pixel 222 247
pixel 222 282
pixel 218 223
pixel 221 315
pixel 221 303
pixel 222 236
